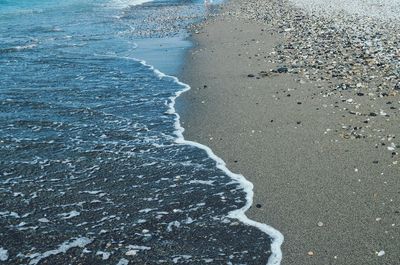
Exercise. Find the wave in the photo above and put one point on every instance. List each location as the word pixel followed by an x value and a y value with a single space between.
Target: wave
pixel 247 186
pixel 239 214
pixel 17 48
pixel 127 3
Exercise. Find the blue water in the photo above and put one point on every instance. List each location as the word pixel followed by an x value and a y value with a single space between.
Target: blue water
pixel 90 168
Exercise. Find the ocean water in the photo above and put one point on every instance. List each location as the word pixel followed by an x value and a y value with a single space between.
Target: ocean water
pixel 93 165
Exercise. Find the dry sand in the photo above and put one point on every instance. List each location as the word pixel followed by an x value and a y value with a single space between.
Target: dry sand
pixel 336 200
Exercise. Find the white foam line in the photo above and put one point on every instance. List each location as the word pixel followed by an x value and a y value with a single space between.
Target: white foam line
pixel 240 214
pixel 128 3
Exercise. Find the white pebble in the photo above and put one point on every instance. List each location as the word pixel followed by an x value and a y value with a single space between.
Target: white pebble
pixel 381 253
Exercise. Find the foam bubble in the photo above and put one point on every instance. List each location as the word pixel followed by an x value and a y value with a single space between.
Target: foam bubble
pixel 63 248
pixel 3 254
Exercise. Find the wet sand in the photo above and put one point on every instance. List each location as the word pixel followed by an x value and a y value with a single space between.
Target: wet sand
pixel 333 195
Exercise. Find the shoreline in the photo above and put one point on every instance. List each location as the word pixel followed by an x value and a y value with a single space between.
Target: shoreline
pixel 325 193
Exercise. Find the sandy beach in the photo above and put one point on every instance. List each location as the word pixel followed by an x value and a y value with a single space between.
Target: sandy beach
pixel 309 114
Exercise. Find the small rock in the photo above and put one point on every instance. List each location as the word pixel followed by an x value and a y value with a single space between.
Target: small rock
pixel 380 253
pixel 280 70
pixel 250 75
pixel 258 205
pixel 320 224
pixel 310 253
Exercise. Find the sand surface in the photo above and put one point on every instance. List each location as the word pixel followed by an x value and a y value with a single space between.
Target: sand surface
pixel 334 198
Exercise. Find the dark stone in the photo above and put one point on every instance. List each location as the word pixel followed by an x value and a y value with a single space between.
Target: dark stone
pixel 397 86
pixel 299 122
pixel 373 114
pixel 360 94
pixel 281 70
pixel 258 205
pixel 375 162
pixel 250 75
pixel 299 103
pixel 343 87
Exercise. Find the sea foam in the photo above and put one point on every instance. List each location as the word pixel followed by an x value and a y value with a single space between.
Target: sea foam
pixel 240 214
pixel 127 3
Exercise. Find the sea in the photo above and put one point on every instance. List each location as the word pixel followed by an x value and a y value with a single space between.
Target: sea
pixel 94 168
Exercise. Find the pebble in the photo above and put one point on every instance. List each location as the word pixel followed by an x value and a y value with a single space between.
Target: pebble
pixel 281 70
pixel 352 54
pixel 380 253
